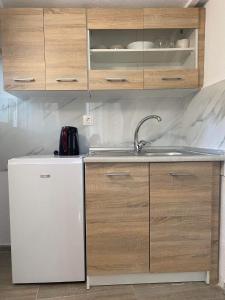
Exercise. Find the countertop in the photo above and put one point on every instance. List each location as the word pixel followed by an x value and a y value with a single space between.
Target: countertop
pixel 127 155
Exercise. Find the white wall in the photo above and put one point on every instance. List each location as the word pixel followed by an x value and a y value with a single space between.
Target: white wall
pixel 215 42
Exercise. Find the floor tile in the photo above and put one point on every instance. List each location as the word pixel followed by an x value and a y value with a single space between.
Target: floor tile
pixel 18 293
pixel 109 293
pixel 187 291
pixel 60 290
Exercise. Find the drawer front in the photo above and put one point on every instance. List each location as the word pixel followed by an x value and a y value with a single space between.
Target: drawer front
pixel 115 79
pixel 163 79
pixel 117 215
pixel 171 18
pixel 114 18
pixel 181 199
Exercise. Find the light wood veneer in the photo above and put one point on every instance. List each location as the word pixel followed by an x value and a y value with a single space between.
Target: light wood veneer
pixel 23 49
pixel 180 216
pixel 65 48
pixel 117 214
pixel 171 18
pixel 114 18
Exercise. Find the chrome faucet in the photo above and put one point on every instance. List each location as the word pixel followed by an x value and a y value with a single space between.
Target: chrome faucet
pixel 139 145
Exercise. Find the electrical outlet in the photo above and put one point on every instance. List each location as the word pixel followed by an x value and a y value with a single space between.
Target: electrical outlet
pixel 88 120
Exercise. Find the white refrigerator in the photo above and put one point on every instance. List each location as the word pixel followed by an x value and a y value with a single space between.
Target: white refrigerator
pixel 46 197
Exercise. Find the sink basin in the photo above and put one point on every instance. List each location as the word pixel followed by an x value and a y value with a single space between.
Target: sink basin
pixel 153 151
pixel 150 152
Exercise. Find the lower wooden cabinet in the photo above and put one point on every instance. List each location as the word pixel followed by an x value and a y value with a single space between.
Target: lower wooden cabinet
pixel 181 228
pixel 117 213
pixel 180 216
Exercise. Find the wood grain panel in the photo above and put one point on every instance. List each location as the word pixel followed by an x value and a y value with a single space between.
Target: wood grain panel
pixel 171 18
pixel 215 226
pixel 201 46
pixel 165 79
pixel 117 214
pixel 65 49
pixel 133 79
pixel 180 216
pixel 114 18
pixel 23 49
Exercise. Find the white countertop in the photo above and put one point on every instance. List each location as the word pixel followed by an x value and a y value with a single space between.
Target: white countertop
pixel 191 154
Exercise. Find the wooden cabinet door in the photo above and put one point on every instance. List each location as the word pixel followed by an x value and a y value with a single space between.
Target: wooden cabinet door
pixel 171 18
pixel 117 214
pixel 65 48
pixel 114 18
pixel 23 49
pixel 181 199
pixel 166 79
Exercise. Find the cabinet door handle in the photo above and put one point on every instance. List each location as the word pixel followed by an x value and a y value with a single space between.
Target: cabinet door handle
pixel 172 78
pixel 180 174
pixel 29 79
pixel 116 79
pixel 45 176
pixel 66 80
pixel 117 174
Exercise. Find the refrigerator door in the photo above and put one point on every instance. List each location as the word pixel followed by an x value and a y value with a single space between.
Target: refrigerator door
pixel 46 216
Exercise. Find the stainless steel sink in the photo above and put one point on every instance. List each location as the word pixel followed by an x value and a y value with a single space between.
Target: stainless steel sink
pixel 147 152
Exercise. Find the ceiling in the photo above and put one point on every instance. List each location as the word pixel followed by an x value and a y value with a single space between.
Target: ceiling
pixel 101 3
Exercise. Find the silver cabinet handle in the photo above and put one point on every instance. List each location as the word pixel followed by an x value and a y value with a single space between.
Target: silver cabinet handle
pixel 180 174
pixel 29 79
pixel 45 176
pixel 117 174
pixel 116 79
pixel 66 80
pixel 172 78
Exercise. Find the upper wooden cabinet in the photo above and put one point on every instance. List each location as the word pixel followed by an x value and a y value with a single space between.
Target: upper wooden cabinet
pixel 171 18
pixel 166 45
pixel 65 49
pixel 23 49
pixel 103 49
pixel 114 18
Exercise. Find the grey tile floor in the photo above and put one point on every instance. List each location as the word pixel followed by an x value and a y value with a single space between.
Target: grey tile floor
pixel 77 291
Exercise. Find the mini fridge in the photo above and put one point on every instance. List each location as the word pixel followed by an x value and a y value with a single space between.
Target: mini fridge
pixel 46 197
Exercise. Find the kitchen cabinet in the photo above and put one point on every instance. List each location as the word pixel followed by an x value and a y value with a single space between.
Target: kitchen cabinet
pixel 23 49
pixel 180 216
pixel 109 67
pixel 117 216
pixel 169 52
pixel 65 48
pixel 169 209
pixel 102 48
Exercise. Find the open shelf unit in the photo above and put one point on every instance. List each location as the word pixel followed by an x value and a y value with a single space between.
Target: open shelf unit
pixel 109 49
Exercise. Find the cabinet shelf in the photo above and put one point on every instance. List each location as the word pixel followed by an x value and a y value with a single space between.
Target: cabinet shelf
pixel 143 50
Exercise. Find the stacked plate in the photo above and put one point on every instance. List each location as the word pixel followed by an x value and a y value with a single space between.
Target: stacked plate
pixel 140 45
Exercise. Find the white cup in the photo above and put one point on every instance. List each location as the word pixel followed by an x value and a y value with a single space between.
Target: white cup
pixel 184 43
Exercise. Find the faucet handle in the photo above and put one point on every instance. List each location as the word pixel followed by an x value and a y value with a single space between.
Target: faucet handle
pixel 143 143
